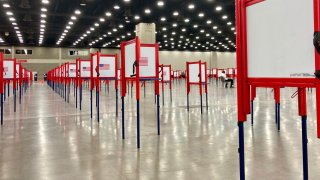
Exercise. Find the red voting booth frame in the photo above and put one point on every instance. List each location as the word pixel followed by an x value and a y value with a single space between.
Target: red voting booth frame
pixel 244 82
pixel 200 83
pixel 95 81
pixel 137 80
pixel 166 82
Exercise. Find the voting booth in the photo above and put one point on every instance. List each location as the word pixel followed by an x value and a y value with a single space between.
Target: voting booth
pixel 139 63
pixel 165 78
pixel 197 76
pixel 286 28
pixel 103 67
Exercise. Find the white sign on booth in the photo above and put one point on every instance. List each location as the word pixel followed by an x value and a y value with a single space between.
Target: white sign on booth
pixel 147 63
pixel 230 71
pixel 17 70
pixel 130 57
pixel 72 70
pixel 194 73
pixel 107 67
pixel 8 68
pixel 166 73
pixel 119 74
pixel 94 65
pixel 214 71
pixel 279 39
pixel 85 69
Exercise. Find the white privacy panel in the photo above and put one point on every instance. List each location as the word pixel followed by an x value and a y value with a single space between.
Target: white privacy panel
pixel 72 70
pixel 194 72
pixel 17 70
pixel 147 65
pixel 8 68
pixel 280 34
pixel 220 72
pixel 166 73
pixel 214 71
pixel 94 65
pixel 85 69
pixel 130 58
pixel 119 74
pixel 107 67
pixel 203 73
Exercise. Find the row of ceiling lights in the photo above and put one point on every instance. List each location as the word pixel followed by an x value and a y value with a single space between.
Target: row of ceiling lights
pixel 13 21
pixel 43 17
pixel 73 18
pixel 137 17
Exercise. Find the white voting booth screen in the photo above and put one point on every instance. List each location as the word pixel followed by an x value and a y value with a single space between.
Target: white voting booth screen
pixel 214 71
pixel 194 72
pixel 17 70
pixel 166 73
pixel 147 63
pixel 85 69
pixel 119 74
pixel 107 67
pixel 72 70
pixel 279 39
pixel 203 73
pixel 130 57
pixel 8 68
pixel 94 65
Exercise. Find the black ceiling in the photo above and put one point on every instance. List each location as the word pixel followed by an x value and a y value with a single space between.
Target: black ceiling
pixel 27 15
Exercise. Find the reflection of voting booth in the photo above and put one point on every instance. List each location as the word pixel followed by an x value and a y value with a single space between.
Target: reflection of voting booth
pixel 103 67
pixel 197 75
pixel 139 62
pixel 165 78
pixel 83 74
pixel 275 26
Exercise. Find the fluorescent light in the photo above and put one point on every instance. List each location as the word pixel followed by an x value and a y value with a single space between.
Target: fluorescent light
pixel 73 17
pixel 45 1
pixel 116 7
pixel 6 5
pixel 102 19
pixel 77 12
pixel 176 13
pixel 201 14
pixel 9 13
pixel 136 17
pixel 218 8
pixel 187 20
pixel 163 19
pixel 147 11
pixel 191 6
pixel 108 14
pixel 43 9
pixel 225 17
pixel 160 3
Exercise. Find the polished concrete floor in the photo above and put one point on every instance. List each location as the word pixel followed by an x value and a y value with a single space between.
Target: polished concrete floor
pixel 49 139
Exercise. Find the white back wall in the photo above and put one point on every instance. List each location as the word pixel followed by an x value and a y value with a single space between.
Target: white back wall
pixel 178 59
pixel 226 60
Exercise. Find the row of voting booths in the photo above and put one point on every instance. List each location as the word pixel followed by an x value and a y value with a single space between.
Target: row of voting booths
pixel 14 78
